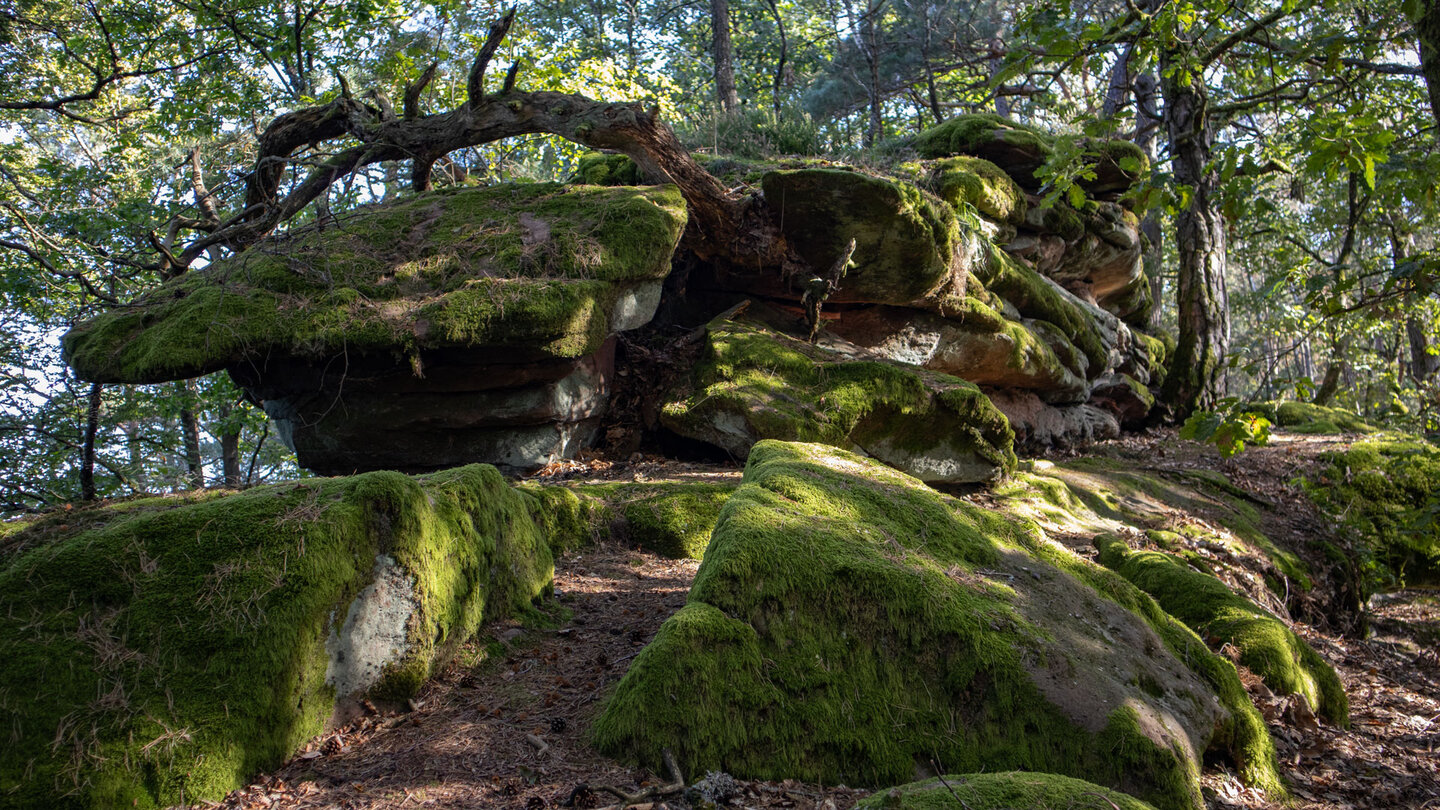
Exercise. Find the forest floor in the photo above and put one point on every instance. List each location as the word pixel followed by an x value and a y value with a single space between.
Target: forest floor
pixel 508 729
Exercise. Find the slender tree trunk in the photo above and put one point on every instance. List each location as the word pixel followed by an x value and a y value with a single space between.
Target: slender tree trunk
pixel 190 436
pixel 1196 378
pixel 1423 364
pixel 784 53
pixel 1340 344
pixel 87 455
pixel 1002 101
pixel 724 57
pixel 1427 30
pixel 229 449
pixel 870 33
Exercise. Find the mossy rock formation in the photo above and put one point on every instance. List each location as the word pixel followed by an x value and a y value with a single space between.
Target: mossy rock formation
pixel 850 625
pixel 754 383
pixel 1267 646
pixel 1011 790
pixel 466 325
pixel 1385 489
pixel 543 267
pixel 1020 150
pixel 1307 417
pixel 909 245
pixel 173 647
pixel 669 518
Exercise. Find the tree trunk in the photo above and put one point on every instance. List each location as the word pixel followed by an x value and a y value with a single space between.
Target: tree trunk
pixel 230 459
pixel 1196 378
pixel 190 437
pixel 724 57
pixel 1423 364
pixel 870 35
pixel 1427 30
pixel 784 54
pixel 87 455
pixel 229 448
pixel 1330 384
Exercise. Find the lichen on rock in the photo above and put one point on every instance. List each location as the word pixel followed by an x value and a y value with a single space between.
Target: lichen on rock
pixel 172 647
pixel 850 625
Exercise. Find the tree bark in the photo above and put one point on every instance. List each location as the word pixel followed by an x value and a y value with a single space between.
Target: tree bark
pixel 869 34
pixel 87 455
pixel 1427 30
pixel 1423 364
pixel 229 449
pixel 190 437
pixel 1330 383
pixel 725 90
pixel 1196 378
pixel 784 54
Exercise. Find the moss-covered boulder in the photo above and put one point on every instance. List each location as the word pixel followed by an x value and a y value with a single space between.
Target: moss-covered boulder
pixel 1386 491
pixel 980 184
pixel 1307 417
pixel 1020 150
pixel 850 625
pixel 1011 790
pixel 670 518
pixel 754 383
pixel 169 648
pixel 990 351
pixel 908 243
pixel 1267 646
pixel 544 269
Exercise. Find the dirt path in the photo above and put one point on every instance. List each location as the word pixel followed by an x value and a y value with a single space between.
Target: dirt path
pixel 510 731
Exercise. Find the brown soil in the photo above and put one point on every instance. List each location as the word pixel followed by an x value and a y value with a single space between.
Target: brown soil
pixel 510 731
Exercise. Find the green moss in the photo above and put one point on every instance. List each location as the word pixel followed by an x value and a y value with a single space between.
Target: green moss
pixel 561 515
pixel 1002 791
pixel 970 134
pixel 1063 221
pixel 754 384
pixel 1267 647
pixel 1386 491
pixel 1306 417
pixel 1037 298
pixel 1111 492
pixel 1156 355
pixel 909 244
pixel 1022 149
pixel 603 169
pixel 158 649
pixel 979 183
pixel 538 265
pixel 848 624
pixel 972 312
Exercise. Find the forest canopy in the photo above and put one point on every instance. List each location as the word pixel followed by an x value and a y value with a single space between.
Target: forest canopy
pixel 1288 200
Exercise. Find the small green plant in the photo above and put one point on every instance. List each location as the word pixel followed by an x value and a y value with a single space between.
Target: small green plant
pixel 1229 427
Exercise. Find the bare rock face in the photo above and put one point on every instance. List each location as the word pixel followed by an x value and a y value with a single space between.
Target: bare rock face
pixel 374 415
